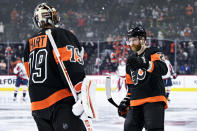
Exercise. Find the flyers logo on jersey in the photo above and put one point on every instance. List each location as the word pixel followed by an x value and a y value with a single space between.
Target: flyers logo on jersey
pixel 37 42
pixel 137 75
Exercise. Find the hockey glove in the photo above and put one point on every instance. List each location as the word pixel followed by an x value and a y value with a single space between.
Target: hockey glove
pixel 77 108
pixel 124 107
pixel 174 76
pixel 137 62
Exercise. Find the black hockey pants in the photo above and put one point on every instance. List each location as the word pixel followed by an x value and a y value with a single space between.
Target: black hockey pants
pixel 148 115
pixel 62 119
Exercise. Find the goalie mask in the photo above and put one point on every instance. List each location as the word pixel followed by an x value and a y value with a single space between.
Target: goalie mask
pixel 44 15
pixel 136 38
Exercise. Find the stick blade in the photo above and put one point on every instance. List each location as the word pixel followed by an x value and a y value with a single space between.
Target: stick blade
pixel 108 91
pixel 112 102
pixel 108 87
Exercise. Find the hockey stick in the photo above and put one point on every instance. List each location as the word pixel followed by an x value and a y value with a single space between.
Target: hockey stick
pixel 87 121
pixel 108 91
pixel 48 32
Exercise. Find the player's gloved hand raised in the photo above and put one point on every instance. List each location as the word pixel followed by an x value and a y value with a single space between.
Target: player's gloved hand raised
pixel 124 107
pixel 137 62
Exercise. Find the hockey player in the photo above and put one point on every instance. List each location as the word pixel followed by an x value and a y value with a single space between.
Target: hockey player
pixel 52 103
pixel 146 92
pixel 21 78
pixel 167 78
pixel 121 71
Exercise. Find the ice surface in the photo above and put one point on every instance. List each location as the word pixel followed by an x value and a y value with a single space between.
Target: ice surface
pixel 180 116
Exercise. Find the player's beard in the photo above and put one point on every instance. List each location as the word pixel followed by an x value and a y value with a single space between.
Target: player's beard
pixel 136 47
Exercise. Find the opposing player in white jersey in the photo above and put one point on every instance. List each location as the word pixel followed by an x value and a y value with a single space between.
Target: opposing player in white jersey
pixel 167 78
pixel 21 79
pixel 121 72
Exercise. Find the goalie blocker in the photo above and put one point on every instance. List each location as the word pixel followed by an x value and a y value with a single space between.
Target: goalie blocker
pixel 86 100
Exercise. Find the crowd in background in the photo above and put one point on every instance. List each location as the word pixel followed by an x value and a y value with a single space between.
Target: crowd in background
pixel 8 55
pixel 97 19
pixel 106 22
pixel 182 55
pixel 105 57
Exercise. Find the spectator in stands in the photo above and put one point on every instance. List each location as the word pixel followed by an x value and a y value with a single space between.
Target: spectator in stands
pixel 2 52
pixel 2 67
pixel 189 10
pixel 189 13
pixel 182 57
pixel 108 46
pixel 187 32
pixel 14 15
pixel 172 51
pixel 160 39
pixel 8 52
pixel 97 66
pixel 185 69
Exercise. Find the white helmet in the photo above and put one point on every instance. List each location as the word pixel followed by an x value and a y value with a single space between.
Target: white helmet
pixel 45 14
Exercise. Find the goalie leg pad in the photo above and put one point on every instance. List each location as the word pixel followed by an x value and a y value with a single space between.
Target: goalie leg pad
pixel 88 90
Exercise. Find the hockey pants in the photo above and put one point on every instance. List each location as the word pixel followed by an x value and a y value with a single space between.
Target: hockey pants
pixel 62 119
pixel 148 115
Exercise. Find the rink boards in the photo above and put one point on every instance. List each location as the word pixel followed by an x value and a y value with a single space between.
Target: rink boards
pixel 181 83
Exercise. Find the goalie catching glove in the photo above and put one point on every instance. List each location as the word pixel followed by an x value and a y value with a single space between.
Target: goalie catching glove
pixel 124 107
pixel 86 101
pixel 137 62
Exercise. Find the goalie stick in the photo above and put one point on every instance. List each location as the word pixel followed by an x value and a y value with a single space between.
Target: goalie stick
pixel 86 120
pixel 48 32
pixel 108 91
